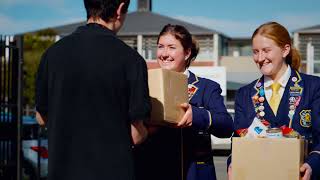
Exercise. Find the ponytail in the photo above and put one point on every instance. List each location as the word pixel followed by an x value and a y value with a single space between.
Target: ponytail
pixel 294 59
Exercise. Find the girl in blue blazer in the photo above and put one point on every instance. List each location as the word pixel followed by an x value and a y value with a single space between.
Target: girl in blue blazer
pixel 185 152
pixel 298 104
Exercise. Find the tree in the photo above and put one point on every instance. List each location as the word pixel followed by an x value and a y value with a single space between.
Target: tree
pixel 34 47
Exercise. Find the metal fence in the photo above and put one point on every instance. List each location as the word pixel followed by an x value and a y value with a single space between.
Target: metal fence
pixel 10 107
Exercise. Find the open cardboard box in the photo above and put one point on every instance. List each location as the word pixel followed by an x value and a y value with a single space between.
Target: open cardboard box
pixel 267 158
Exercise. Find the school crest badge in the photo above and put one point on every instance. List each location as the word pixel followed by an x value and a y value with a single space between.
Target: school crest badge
pixel 192 89
pixel 305 118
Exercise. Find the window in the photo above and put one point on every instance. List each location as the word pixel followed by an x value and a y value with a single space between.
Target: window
pixel 206 47
pixel 130 41
pixel 149 47
pixel 304 39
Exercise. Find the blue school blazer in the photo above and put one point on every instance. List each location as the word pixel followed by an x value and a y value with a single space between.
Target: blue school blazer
pixel 210 116
pixel 209 111
pixel 306 118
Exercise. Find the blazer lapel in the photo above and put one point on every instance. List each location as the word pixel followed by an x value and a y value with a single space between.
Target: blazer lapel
pixel 254 92
pixel 300 82
pixel 283 110
pixel 269 115
pixel 192 85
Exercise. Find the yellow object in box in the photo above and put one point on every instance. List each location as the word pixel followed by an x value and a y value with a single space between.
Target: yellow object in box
pixel 267 159
pixel 168 89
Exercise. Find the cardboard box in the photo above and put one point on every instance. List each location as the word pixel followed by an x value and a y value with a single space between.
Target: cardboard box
pixel 266 158
pixel 168 89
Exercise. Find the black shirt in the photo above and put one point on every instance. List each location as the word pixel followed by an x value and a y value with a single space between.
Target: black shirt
pixel 91 86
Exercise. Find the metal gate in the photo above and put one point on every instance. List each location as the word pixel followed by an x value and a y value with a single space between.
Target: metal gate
pixel 10 107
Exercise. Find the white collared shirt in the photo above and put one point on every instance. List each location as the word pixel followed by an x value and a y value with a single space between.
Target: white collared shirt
pixel 186 72
pixel 283 82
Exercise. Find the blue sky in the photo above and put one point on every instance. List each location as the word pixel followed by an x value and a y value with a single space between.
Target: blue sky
pixel 237 18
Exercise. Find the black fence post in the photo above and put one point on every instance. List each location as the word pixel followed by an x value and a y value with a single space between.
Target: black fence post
pixel 11 49
pixel 19 44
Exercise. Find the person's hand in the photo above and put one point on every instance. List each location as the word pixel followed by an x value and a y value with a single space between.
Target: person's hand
pixel 186 120
pixel 229 172
pixel 138 132
pixel 41 119
pixel 306 171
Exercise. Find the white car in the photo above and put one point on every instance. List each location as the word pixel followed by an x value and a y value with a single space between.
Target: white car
pixel 35 149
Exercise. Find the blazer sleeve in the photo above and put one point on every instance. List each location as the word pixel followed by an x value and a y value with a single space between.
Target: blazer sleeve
pixel 314 157
pixel 240 115
pixel 213 116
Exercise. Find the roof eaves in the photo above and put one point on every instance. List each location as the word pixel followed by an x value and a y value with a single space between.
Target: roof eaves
pixel 308 29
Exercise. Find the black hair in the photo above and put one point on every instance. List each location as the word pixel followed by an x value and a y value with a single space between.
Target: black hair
pixel 104 9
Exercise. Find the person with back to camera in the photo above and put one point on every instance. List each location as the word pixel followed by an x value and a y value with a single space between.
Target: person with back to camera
pixel 185 152
pixel 292 99
pixel 92 92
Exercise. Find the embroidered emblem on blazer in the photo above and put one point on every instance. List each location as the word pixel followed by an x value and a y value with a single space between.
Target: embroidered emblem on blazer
pixel 192 89
pixel 305 118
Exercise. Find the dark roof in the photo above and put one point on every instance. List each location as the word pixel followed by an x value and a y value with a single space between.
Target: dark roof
pixel 67 29
pixel 149 23
pixel 145 23
pixel 311 29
